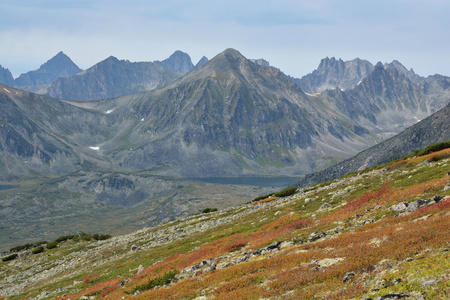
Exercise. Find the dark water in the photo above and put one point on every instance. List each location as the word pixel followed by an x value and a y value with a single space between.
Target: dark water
pixel 7 187
pixel 255 181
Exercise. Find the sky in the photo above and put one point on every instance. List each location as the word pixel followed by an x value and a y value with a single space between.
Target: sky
pixel 293 35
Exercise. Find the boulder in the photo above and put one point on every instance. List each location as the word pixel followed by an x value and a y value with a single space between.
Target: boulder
pixel 348 277
pixel 398 207
pixel 315 236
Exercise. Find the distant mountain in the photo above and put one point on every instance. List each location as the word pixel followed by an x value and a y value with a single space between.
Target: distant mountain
pixel 433 129
pixel 202 61
pixel 408 73
pixel 113 78
pixel 6 77
pixel 178 61
pixel 386 100
pixel 333 73
pixel 230 117
pixel 58 66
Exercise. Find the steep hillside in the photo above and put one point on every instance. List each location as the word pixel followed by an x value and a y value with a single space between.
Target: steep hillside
pixel 381 234
pixel 433 129
pixel 58 66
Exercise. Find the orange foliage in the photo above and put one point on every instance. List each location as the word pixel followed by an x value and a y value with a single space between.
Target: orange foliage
pixel 358 203
pixel 98 288
pixel 264 200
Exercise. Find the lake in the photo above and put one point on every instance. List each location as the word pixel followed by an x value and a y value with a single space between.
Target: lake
pixel 255 181
pixel 7 187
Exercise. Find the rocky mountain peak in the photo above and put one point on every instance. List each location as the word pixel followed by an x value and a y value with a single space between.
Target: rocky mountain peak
pixel 408 73
pixel 58 66
pixel 202 61
pixel 178 61
pixel 6 76
pixel 333 73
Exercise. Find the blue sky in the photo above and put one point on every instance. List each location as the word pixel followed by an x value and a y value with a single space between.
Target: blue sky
pixel 292 35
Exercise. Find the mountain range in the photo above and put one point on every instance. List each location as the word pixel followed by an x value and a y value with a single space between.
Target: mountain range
pixel 230 116
pixel 61 78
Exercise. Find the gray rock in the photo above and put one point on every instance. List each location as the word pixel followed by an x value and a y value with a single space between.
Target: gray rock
pixel 325 205
pixel 428 282
pixel 315 236
pixel 134 248
pixel 398 207
pixel 438 198
pixel 447 187
pixel 348 277
pixel 392 296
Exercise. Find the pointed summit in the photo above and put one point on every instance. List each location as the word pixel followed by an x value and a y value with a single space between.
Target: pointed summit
pixel 58 66
pixel 178 61
pixel 202 61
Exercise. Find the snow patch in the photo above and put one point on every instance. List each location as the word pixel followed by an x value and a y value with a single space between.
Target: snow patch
pixel 315 94
pixel 7 90
pixel 359 82
pixel 142 120
pixel 94 148
pixel 109 111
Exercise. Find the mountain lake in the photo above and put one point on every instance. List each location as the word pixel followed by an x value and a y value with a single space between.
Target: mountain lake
pixel 7 187
pixel 255 181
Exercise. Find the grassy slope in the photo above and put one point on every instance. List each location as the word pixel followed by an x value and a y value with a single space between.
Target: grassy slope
pixel 368 250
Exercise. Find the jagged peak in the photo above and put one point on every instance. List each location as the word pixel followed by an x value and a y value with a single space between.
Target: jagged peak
pixel 202 61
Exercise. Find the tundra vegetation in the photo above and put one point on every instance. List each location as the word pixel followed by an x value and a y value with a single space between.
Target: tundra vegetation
pixel 383 231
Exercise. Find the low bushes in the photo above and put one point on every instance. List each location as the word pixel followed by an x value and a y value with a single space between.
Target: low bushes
pixel 284 193
pixel 158 281
pixel 38 250
pixel 10 257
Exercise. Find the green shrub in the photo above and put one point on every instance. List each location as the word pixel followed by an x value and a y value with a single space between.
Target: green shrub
pixel 101 237
pixel 286 192
pixel 261 197
pixel 21 247
pixel 40 243
pixel 85 236
pixel 208 210
pixel 65 238
pixel 158 281
pixel 10 257
pixel 431 148
pixel 37 250
pixel 52 245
